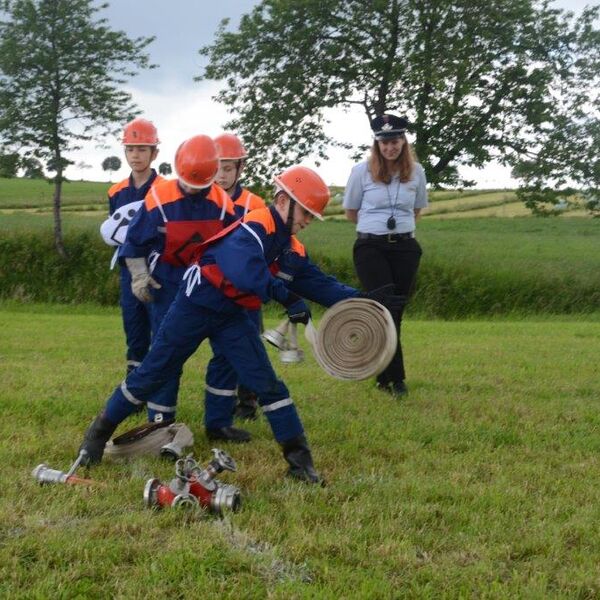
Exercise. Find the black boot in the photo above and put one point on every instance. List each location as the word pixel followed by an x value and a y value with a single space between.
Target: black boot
pixel 229 434
pixel 95 438
pixel 297 453
pixel 246 406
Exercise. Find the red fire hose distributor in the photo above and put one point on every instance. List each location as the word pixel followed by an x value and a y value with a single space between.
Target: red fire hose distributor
pixel 194 486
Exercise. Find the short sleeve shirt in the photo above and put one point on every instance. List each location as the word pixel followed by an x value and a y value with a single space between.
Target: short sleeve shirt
pixel 376 202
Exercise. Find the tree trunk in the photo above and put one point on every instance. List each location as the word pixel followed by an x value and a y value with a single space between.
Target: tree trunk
pixel 58 235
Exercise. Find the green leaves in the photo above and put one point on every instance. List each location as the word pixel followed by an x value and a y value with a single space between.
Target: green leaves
pixel 478 79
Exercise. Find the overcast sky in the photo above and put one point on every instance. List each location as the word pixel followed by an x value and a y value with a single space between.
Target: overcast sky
pixel 180 107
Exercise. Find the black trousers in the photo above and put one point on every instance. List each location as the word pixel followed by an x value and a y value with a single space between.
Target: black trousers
pixel 379 262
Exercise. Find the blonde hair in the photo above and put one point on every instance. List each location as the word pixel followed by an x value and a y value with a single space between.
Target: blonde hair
pixel 405 163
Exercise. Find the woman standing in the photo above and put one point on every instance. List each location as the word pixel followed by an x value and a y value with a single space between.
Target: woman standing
pixel 384 197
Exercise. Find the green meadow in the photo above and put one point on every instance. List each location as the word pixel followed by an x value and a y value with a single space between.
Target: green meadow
pixel 483 483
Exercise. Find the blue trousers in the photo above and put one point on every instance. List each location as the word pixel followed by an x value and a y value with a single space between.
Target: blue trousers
pixel 166 395
pixel 136 321
pixel 221 384
pixel 235 338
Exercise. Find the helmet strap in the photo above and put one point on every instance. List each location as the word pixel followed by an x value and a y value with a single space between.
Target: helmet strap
pixel 290 216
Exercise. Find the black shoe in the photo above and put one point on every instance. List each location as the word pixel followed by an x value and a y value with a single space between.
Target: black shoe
pixel 246 407
pixel 297 453
pixel 395 389
pixel 95 438
pixel 229 434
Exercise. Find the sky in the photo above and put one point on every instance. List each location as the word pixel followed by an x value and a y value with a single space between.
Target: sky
pixel 181 107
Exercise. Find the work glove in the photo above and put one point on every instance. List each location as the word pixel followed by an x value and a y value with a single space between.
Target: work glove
pixel 386 295
pixel 297 310
pixel 141 281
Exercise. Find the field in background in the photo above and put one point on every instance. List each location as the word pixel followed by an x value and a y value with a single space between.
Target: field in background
pixel 484 482
pixel 89 197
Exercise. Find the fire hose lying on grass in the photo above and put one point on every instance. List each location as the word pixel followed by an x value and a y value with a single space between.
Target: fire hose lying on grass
pixel 191 487
pixel 356 339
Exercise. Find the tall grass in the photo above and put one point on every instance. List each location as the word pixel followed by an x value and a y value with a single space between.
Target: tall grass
pixel 469 267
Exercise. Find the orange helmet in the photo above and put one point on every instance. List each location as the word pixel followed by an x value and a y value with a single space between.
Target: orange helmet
pixel 140 132
pixel 306 188
pixel 197 162
pixel 230 147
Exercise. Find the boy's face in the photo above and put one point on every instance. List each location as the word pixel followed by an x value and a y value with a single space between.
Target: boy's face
pixel 139 158
pixel 227 174
pixel 302 217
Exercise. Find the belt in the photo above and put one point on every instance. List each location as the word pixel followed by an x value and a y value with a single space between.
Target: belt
pixel 386 237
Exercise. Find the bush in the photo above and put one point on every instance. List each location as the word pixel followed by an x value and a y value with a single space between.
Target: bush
pixel 31 271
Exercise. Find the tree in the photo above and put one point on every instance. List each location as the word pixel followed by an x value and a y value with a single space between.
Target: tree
pixel 165 168
pixel 9 164
pixel 61 71
pixel 478 79
pixel 32 168
pixel 110 164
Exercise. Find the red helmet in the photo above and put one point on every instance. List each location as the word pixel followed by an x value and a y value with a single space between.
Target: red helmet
pixel 306 188
pixel 140 132
pixel 230 147
pixel 197 162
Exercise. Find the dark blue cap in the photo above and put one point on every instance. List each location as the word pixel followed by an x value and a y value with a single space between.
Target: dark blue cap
pixel 388 126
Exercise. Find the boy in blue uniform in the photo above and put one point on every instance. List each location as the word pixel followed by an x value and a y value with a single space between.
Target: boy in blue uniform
pixel 233 158
pixel 176 216
pixel 140 140
pixel 237 270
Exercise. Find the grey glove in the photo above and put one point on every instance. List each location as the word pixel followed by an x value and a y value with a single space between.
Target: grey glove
pixel 141 281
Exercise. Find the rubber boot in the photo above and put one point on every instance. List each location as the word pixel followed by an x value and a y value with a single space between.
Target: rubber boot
pixel 95 438
pixel 297 453
pixel 229 434
pixel 246 407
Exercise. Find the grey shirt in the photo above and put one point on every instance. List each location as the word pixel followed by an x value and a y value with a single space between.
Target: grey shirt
pixel 376 202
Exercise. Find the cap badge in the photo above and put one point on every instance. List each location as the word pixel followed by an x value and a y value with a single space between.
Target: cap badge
pixel 386 127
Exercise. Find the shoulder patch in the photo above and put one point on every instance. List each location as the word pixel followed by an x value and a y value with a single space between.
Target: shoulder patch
pixel 165 192
pixel 117 187
pixel 297 246
pixel 262 216
pixel 250 201
pixel 220 197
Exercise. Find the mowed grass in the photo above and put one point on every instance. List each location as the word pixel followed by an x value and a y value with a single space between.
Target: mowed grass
pixel 39 193
pixel 561 249
pixel 484 482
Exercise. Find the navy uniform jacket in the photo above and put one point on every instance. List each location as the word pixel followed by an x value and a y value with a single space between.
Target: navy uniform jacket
pixel 244 201
pixel 167 202
pixel 125 192
pixel 245 256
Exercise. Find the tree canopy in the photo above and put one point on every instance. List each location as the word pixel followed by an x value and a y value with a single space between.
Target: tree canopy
pixel 61 76
pixel 478 79
pixel 111 163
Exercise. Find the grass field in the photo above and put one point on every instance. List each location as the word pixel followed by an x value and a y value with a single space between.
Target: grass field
pixel 484 483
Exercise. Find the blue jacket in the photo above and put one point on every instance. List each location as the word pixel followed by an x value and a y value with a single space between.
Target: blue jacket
pixel 168 203
pixel 249 256
pixel 125 192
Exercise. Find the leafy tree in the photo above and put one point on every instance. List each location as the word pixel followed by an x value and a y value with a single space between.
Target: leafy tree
pixel 9 164
pixel 61 71
pixel 165 168
pixel 110 164
pixel 478 79
pixel 32 168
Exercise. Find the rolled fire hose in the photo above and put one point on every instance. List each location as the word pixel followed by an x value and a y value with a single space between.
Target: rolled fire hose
pixel 151 439
pixel 356 339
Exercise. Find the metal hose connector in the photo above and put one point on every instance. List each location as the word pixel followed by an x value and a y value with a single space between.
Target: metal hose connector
pixel 356 339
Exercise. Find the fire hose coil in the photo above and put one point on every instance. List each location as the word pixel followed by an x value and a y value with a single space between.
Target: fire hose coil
pixel 150 439
pixel 356 339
